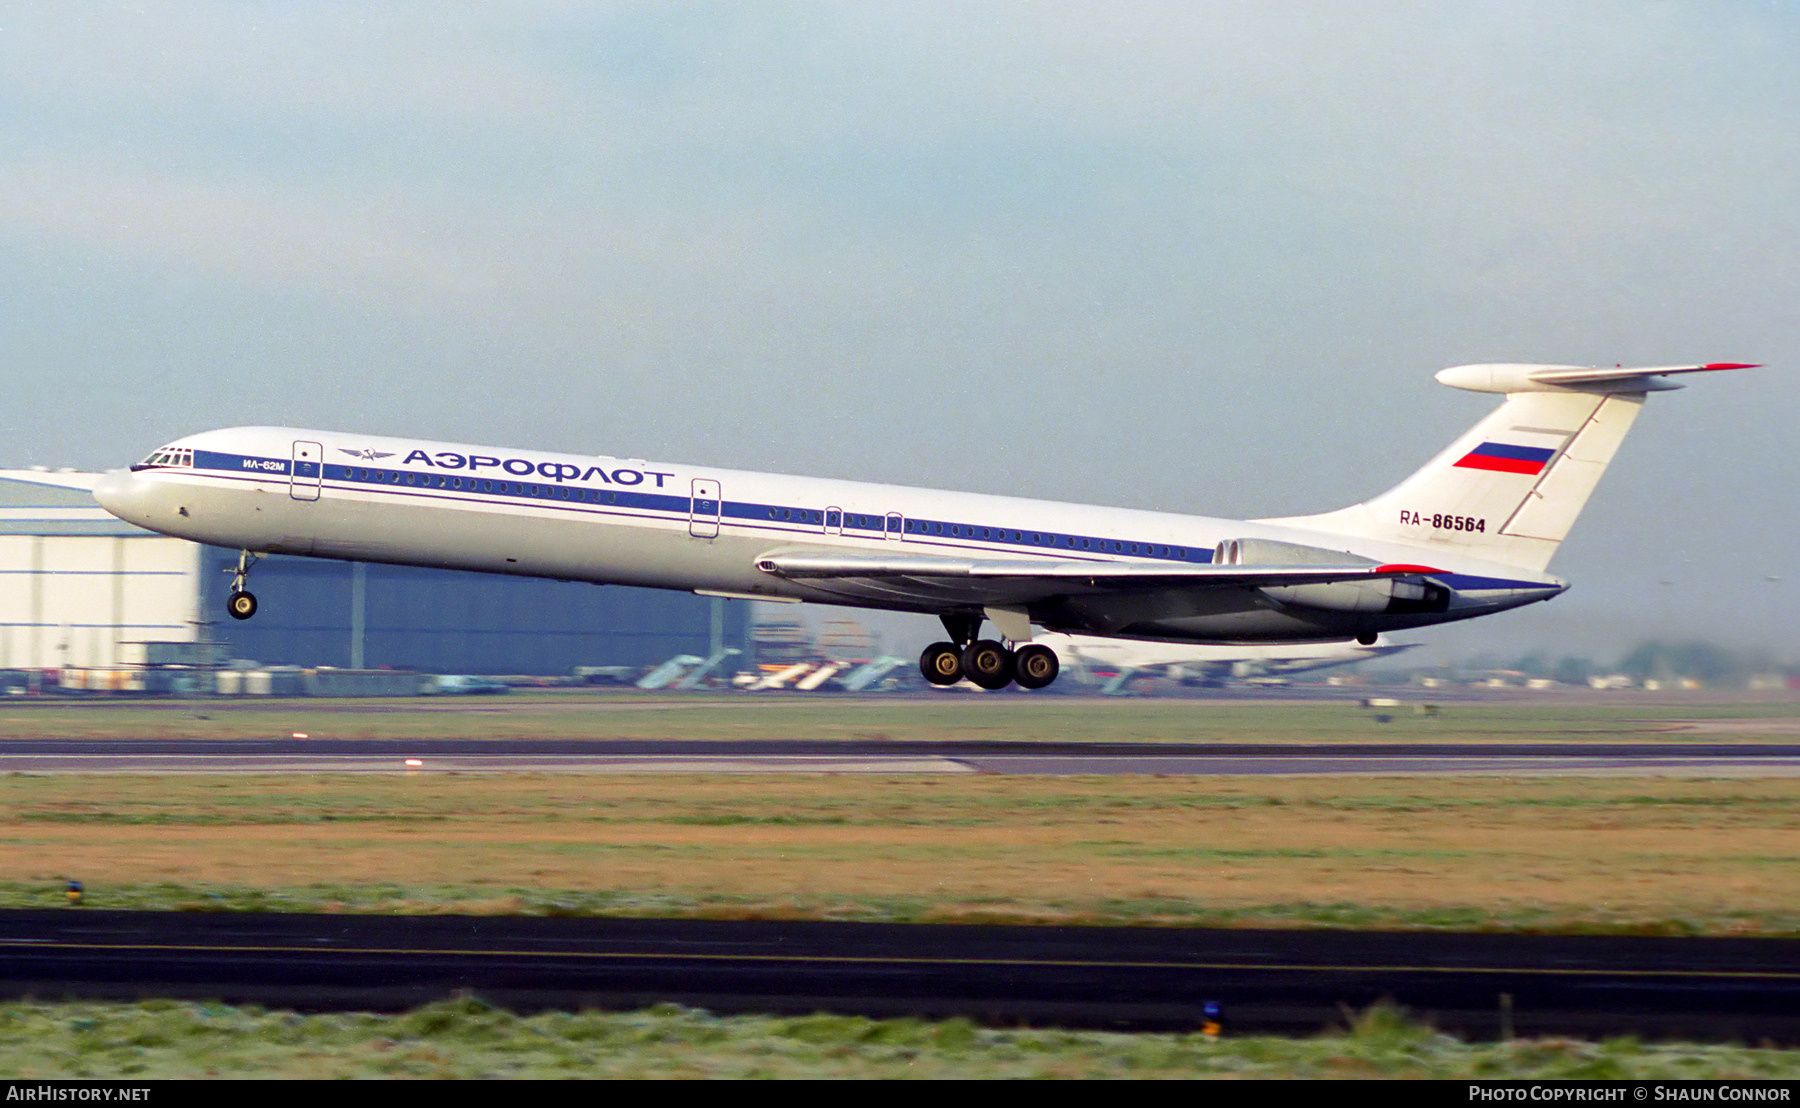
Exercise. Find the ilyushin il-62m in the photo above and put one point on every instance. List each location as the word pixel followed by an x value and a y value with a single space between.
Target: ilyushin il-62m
pixel 1469 534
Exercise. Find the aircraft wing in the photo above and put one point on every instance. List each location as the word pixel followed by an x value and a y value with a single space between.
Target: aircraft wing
pixel 61 479
pixel 1015 580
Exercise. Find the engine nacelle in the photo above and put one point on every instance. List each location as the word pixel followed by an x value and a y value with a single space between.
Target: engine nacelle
pixel 1381 594
pixel 1378 594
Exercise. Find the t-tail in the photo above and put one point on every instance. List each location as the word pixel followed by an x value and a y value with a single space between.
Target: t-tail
pixel 1509 490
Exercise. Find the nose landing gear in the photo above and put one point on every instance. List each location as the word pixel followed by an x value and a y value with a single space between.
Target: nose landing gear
pixel 241 603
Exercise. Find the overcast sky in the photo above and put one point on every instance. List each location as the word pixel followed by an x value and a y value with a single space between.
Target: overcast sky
pixel 1188 256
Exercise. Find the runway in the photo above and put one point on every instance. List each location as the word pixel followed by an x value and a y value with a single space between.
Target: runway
pixel 1477 985
pixel 1128 978
pixel 152 756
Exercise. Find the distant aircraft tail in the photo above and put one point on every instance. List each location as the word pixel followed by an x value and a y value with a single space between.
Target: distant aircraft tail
pixel 1509 490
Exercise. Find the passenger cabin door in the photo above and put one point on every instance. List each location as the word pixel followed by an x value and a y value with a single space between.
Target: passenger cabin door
pixel 704 509
pixel 307 470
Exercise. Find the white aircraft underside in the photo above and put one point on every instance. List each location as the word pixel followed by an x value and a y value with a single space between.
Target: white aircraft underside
pixel 1466 536
pixel 1215 661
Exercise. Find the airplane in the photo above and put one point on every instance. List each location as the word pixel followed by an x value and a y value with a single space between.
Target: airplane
pixel 1469 534
pixel 1211 662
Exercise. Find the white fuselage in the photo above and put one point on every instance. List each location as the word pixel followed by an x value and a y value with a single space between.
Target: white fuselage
pixel 272 490
pixel 1212 660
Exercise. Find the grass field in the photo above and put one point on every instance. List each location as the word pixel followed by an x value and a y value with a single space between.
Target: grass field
pixel 465 1039
pixel 1658 855
pixel 1652 855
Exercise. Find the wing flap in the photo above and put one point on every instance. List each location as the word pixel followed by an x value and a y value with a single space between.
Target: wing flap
pixel 835 565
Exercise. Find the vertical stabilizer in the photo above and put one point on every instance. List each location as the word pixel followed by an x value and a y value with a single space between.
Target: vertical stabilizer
pixel 1509 490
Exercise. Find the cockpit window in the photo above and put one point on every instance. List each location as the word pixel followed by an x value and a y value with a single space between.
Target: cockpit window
pixel 166 457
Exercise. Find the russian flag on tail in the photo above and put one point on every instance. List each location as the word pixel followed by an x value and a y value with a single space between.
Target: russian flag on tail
pixel 1501 457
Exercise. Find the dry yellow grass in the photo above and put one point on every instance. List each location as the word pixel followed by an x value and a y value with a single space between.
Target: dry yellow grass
pixel 1705 855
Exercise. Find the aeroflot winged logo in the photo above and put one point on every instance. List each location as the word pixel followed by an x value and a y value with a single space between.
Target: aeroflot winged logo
pixel 1503 457
pixel 367 455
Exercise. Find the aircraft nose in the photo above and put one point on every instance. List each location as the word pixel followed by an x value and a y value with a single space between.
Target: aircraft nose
pixel 120 492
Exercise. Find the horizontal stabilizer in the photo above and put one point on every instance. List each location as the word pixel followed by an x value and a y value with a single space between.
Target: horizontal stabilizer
pixel 1510 378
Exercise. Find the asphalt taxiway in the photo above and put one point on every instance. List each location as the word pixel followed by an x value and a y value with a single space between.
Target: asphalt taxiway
pixel 1479 985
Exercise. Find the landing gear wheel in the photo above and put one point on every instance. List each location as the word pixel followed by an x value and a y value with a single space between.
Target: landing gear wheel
pixel 241 605
pixel 941 663
pixel 1035 666
pixel 988 664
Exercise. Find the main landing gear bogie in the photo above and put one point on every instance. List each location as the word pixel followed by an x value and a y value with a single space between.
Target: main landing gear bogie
pixel 989 664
